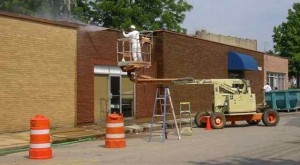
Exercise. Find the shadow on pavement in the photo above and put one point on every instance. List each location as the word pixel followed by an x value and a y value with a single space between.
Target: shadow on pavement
pixel 246 161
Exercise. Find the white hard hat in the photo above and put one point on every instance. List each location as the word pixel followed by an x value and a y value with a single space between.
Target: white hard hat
pixel 132 27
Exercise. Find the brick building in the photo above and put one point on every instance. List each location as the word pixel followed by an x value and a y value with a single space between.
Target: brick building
pixel 71 70
pixel 38 72
pixel 185 56
pixel 175 56
pixel 275 70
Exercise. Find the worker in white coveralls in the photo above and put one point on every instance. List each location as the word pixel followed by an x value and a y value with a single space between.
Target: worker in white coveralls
pixel 134 37
pixel 267 87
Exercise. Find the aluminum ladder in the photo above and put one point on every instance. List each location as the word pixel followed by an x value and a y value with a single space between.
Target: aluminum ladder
pixel 163 98
pixel 185 108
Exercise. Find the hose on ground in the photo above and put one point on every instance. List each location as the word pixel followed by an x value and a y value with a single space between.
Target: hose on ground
pixel 10 151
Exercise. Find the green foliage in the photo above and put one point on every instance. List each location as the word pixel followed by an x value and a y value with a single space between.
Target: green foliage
pixel 27 7
pixel 287 39
pixel 144 14
pixel 119 14
pixel 81 10
pixel 270 52
pixel 53 9
pixel 41 8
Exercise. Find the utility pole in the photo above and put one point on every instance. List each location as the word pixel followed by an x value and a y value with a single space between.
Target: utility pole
pixel 69 5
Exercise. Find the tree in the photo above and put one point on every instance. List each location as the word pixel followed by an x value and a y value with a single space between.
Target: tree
pixel 81 10
pixel 287 40
pixel 145 14
pixel 120 14
pixel 270 52
pixel 51 9
pixel 27 7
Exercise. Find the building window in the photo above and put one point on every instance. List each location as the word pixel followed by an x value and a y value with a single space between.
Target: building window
pixel 276 80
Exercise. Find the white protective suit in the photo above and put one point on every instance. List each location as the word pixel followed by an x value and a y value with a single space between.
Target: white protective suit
pixel 267 88
pixel 135 44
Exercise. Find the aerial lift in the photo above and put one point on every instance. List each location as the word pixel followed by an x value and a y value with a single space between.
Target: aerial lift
pixel 232 101
pixel 232 98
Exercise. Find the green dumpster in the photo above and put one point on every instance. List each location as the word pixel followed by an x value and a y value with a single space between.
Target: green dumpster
pixel 287 100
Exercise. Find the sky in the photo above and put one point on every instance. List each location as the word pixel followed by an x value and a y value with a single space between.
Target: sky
pixel 252 19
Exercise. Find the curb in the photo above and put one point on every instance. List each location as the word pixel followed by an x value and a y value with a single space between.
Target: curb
pixel 79 134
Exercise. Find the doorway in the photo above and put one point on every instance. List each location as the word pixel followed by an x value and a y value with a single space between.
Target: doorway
pixel 127 97
pixel 115 94
pixel 121 92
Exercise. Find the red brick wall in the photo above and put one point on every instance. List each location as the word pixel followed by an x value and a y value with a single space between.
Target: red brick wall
pixel 99 48
pixel 85 73
pixel 145 93
pixel 145 96
pixel 184 56
pixel 94 48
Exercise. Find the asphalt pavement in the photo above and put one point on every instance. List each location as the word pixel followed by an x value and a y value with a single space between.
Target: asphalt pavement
pixel 235 144
pixel 19 141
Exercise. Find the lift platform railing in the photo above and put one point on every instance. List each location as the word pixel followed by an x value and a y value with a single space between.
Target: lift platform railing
pixel 125 52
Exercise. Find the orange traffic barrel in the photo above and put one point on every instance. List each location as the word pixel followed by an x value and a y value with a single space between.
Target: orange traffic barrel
pixel 115 136
pixel 40 145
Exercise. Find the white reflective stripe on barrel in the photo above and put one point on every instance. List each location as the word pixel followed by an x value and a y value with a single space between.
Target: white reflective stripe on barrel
pixel 40 131
pixel 43 145
pixel 114 124
pixel 115 135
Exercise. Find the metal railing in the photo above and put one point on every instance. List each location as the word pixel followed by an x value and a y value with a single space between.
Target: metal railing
pixel 125 51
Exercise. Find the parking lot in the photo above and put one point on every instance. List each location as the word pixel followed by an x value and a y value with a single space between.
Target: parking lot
pixel 239 144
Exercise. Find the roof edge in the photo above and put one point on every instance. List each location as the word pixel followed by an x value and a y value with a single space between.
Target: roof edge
pixel 186 35
pixel 36 19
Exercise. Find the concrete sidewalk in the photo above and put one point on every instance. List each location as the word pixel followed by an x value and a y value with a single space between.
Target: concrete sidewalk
pixel 20 140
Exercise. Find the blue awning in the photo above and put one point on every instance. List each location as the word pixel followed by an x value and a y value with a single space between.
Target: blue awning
pixel 238 61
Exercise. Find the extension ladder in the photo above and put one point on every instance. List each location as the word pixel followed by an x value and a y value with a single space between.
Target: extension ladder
pixel 163 97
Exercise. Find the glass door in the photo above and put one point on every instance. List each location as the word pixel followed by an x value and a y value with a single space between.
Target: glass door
pixel 121 95
pixel 114 93
pixel 127 97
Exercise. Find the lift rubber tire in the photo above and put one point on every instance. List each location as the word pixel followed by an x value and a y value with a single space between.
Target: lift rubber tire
pixel 199 117
pixel 217 120
pixel 253 122
pixel 270 117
